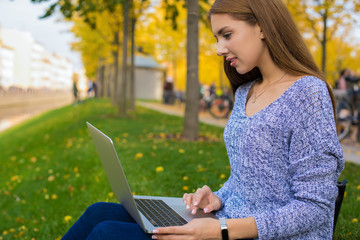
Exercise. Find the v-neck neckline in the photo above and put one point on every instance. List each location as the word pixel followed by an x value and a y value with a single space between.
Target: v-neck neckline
pixel 269 105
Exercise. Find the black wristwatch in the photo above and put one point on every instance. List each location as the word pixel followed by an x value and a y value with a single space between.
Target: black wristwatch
pixel 224 230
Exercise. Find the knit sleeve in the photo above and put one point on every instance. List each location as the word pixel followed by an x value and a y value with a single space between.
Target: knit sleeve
pixel 224 191
pixel 315 162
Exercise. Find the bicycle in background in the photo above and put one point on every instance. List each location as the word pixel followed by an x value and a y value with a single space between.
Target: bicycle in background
pixel 348 109
pixel 219 103
pixel 222 105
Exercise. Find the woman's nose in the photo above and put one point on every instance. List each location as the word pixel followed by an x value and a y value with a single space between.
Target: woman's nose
pixel 221 49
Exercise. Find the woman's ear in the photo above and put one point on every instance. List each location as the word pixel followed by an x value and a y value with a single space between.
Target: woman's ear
pixel 262 36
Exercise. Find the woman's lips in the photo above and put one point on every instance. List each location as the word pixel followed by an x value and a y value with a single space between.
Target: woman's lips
pixel 233 62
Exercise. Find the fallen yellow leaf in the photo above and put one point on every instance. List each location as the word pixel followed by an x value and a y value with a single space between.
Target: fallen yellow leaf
pixel 159 169
pixel 138 155
pixel 67 218
pixel 51 178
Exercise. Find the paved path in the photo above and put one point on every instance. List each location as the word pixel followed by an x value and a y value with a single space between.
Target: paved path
pixel 351 149
pixel 178 110
pixel 15 108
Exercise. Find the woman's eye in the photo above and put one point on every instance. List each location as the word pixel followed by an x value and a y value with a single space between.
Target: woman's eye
pixel 227 35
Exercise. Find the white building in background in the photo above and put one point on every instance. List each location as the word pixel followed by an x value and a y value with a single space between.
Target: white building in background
pixel 6 66
pixel 36 65
pixel 149 78
pixel 62 72
pixel 32 65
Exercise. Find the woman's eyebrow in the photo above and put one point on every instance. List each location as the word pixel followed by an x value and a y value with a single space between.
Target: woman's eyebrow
pixel 220 31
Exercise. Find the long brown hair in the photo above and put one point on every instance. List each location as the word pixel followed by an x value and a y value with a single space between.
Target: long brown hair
pixel 286 46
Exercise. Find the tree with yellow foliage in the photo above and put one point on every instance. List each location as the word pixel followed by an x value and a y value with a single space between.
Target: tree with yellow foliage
pixel 115 16
pixel 323 21
pixel 95 50
pixel 157 37
pixel 191 125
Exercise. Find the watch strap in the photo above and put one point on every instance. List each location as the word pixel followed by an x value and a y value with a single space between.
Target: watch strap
pixel 224 229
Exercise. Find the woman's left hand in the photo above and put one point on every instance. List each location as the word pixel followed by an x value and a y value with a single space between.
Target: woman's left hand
pixel 201 228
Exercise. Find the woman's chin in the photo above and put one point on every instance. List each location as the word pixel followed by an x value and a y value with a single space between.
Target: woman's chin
pixel 241 70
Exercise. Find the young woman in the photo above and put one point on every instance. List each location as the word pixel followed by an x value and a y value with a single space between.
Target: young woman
pixel 281 139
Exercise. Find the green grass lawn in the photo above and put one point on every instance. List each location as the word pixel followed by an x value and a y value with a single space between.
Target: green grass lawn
pixel 50 171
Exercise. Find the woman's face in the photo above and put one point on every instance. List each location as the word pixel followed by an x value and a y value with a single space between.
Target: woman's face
pixel 240 42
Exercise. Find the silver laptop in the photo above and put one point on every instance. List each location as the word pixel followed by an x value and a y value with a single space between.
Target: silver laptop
pixel 149 212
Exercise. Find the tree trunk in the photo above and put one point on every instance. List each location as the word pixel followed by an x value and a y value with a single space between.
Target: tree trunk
pixel 115 53
pixel 324 42
pixel 111 81
pixel 191 120
pixel 132 66
pixel 100 80
pixel 122 97
pixel 107 81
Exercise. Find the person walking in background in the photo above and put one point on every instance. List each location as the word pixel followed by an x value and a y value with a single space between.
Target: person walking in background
pixel 90 88
pixel 75 93
pixel 94 89
pixel 168 91
pixel 281 140
pixel 341 82
pixel 212 90
pixel 75 80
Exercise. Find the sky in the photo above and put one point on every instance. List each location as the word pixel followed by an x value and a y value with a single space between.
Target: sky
pixel 55 36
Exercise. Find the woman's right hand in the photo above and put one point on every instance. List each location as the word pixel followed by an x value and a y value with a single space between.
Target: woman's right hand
pixel 204 199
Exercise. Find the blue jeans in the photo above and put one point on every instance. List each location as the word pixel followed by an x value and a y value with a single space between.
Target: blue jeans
pixel 106 221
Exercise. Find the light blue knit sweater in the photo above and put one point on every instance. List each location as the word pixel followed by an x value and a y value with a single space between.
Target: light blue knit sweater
pixel 285 161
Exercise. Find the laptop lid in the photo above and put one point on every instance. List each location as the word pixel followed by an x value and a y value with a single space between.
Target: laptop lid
pixel 121 189
pixel 114 172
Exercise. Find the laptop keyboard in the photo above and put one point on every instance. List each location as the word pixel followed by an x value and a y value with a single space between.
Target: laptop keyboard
pixel 159 213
